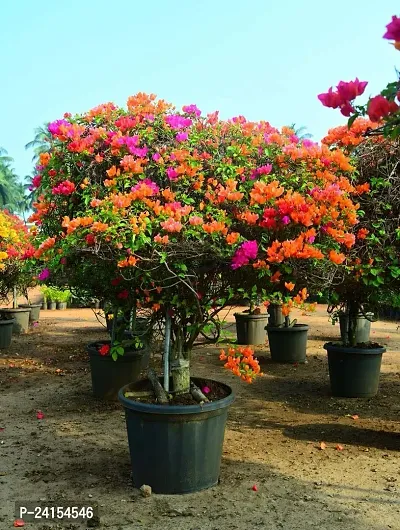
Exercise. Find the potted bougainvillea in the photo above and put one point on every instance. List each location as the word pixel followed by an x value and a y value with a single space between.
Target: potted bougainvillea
pixel 15 251
pixel 177 213
pixel 372 271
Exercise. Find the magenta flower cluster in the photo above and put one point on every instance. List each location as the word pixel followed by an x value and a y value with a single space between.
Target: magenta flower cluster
pixel 247 251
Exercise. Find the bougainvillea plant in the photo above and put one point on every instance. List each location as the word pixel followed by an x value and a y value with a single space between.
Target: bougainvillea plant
pixel 371 275
pixel 179 212
pixel 383 107
pixel 15 251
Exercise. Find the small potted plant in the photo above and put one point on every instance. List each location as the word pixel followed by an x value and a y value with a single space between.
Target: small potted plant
pixel 62 298
pixel 288 340
pixel 250 324
pixel 15 254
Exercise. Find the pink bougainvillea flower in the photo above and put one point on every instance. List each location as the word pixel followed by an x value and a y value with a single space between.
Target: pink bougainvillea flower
pixel 206 390
pixel 39 415
pixel 181 137
pixel 64 188
pixel 123 295
pixel 247 251
pixel 55 126
pixel 346 109
pixel 285 219
pixel 195 220
pixel 191 109
pixel 156 157
pixel 37 179
pixel 19 523
pixel 264 170
pixel 178 122
pixel 330 99
pixel 63 261
pixel 350 90
pixel 44 274
pixel 105 349
pixel 379 107
pixel 172 174
pixel 393 29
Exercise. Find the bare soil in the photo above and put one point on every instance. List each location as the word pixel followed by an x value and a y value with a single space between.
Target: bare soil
pixel 79 453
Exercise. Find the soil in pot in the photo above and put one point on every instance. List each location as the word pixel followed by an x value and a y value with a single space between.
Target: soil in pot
pixel 6 329
pixel 35 311
pixel 288 344
pixel 250 329
pixel 20 316
pixel 108 376
pixel 177 448
pixel 354 371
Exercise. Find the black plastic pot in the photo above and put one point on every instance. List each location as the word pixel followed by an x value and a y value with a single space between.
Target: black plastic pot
pixel 250 329
pixel 35 311
pixel 288 344
pixel 354 372
pixel 52 305
pixel 176 449
pixel 108 375
pixel 20 317
pixel 6 329
pixel 62 305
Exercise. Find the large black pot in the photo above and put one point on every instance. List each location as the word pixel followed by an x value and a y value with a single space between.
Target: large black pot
pixel 108 375
pixel 250 329
pixel 354 372
pixel 288 344
pixel 176 449
pixel 6 329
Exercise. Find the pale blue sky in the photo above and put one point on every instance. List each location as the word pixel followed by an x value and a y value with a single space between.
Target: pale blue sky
pixel 260 58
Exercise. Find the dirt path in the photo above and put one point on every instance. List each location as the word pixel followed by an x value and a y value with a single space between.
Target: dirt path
pixel 79 451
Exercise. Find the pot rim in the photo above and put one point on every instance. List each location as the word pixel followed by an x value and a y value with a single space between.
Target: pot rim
pixel 249 316
pixel 7 321
pixel 92 350
pixel 177 410
pixel 15 310
pixel 291 329
pixel 25 306
pixel 337 347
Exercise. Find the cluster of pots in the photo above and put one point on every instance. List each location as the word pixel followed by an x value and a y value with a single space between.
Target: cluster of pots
pixel 353 371
pixel 178 449
pixel 16 321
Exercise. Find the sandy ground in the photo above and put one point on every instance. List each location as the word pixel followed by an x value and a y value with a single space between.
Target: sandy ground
pixel 79 452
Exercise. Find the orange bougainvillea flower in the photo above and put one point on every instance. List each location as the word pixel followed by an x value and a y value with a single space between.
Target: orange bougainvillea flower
pixel 241 362
pixel 232 238
pixel 276 276
pixel 289 286
pixel 337 258
pixel 362 233
pixel 128 262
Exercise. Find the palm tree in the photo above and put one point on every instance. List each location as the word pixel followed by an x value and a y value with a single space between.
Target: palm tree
pixel 10 193
pixel 40 143
pixel 300 132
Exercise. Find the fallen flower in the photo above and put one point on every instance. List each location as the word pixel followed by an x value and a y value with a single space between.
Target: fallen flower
pixel 352 416
pixel 39 415
pixel 322 446
pixel 339 447
pixel 206 390
pixel 254 488
pixel 18 523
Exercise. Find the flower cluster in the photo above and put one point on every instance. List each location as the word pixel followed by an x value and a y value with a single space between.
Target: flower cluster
pixel 383 106
pixel 241 362
pixel 15 250
pixel 187 209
